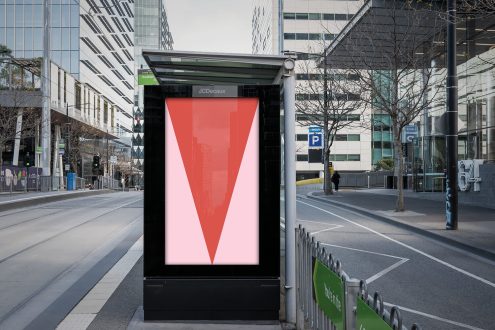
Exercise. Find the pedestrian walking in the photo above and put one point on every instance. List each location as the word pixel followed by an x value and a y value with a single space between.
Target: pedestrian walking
pixel 336 179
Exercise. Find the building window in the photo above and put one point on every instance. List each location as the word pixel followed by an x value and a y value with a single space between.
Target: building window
pixel 77 88
pixel 345 157
pixel 302 157
pixel 301 137
pixel 105 112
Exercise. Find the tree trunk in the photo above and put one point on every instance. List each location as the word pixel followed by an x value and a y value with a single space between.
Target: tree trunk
pixel 399 207
pixel 327 182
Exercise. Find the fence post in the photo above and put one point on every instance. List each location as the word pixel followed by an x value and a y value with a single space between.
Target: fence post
pixel 351 293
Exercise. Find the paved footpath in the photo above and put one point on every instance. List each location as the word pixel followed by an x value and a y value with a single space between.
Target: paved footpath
pixel 16 200
pixel 425 214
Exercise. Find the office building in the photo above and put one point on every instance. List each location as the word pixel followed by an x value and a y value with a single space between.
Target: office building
pixel 91 50
pixel 151 33
pixel 308 26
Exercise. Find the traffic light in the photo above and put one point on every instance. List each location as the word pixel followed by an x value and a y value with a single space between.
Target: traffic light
pixel 96 162
pixel 28 160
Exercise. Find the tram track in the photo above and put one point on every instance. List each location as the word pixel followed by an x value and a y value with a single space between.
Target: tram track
pixel 90 219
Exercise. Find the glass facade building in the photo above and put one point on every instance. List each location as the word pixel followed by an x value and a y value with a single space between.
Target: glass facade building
pixel 151 32
pixel 91 40
pixel 21 30
pixel 476 101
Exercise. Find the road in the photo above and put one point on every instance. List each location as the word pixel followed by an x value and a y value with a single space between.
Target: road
pixel 52 254
pixel 435 285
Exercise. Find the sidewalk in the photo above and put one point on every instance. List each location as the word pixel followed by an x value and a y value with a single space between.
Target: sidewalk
pixel 425 214
pixel 10 201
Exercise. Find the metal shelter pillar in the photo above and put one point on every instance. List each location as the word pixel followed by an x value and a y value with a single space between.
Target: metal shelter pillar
pixel 289 85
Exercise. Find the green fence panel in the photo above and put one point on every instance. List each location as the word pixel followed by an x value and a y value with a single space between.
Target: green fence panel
pixel 329 293
pixel 368 319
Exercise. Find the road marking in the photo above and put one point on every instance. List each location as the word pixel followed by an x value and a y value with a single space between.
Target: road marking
pixel 364 251
pixel 434 317
pixel 328 229
pixel 318 222
pixel 462 271
pixel 86 311
pixel 381 273
pixel 385 271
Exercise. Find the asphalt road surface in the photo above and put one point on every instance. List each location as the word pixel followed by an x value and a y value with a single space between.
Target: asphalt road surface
pixel 52 254
pixel 435 285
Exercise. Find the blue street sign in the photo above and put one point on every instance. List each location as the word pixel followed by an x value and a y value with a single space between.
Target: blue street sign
pixel 315 140
pixel 314 129
pixel 409 133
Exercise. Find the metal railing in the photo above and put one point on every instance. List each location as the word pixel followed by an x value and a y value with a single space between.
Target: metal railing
pixel 35 183
pixel 328 298
pixel 102 182
pixel 365 180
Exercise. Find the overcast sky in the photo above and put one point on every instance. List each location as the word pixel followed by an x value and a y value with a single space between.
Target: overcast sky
pixel 210 25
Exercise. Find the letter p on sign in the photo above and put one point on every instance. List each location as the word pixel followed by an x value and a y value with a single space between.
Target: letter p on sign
pixel 315 140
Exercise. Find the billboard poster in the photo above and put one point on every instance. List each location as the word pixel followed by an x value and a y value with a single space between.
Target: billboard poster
pixel 212 181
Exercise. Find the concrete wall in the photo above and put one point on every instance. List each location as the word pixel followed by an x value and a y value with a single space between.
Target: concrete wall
pixel 486 196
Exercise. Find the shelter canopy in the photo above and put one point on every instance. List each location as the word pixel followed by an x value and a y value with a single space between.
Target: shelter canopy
pixel 379 30
pixel 200 68
pixel 385 31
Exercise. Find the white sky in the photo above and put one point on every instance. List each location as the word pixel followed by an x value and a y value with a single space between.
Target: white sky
pixel 210 25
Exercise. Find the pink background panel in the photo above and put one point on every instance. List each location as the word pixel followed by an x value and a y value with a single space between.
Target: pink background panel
pixel 184 240
pixel 239 243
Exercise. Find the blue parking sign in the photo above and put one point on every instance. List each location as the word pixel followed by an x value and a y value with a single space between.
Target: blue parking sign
pixel 315 140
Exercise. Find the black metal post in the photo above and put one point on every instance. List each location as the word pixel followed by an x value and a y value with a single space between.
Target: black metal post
pixel 67 137
pixel 326 170
pixel 451 136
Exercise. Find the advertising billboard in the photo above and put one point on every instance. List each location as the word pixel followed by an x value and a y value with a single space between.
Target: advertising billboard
pixel 211 171
pixel 211 202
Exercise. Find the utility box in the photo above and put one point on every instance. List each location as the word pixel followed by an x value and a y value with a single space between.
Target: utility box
pixel 71 181
pixel 211 203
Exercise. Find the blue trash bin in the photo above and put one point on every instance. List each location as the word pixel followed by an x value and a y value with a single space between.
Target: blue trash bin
pixel 71 181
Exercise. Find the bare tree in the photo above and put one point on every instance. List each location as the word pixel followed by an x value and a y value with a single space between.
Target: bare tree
pixel 17 118
pixel 478 7
pixel 82 139
pixel 390 52
pixel 331 100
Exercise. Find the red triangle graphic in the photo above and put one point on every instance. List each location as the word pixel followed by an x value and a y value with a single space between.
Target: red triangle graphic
pixel 212 136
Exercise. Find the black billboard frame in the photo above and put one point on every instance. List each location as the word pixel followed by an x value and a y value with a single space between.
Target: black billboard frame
pixel 170 289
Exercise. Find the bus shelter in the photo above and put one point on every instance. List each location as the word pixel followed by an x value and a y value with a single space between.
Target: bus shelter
pixel 212 177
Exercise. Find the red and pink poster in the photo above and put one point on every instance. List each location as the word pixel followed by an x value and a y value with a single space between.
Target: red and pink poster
pixel 212 181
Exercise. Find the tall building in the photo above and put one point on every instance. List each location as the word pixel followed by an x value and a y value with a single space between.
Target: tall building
pixel 308 27
pixel 266 27
pixel 91 75
pixel 152 32
pixel 91 40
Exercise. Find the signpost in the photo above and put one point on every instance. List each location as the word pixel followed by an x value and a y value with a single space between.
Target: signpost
pixel 315 137
pixel 410 133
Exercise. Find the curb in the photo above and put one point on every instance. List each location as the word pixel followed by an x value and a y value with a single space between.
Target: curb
pixel 462 246
pixel 35 200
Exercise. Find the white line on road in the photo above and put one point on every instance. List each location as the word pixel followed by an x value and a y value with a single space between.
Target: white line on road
pixel 364 251
pixel 462 271
pixel 385 271
pixel 381 273
pixel 318 222
pixel 434 317
pixel 328 229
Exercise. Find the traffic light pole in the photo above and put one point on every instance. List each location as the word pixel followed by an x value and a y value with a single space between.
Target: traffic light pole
pixel 45 86
pixel 451 136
